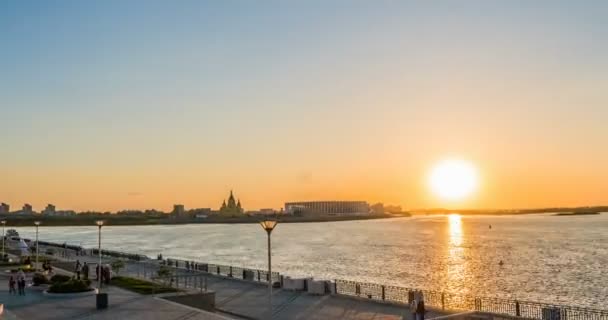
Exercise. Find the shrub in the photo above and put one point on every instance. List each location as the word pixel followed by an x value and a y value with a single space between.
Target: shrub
pixel 164 271
pixel 117 265
pixel 39 279
pixel 141 286
pixel 58 278
pixel 70 286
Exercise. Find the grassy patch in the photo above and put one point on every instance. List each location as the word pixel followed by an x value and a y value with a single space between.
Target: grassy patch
pixel 141 286
pixel 71 286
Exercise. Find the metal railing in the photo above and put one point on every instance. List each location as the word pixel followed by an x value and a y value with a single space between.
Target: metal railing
pixel 382 293
pixel 453 301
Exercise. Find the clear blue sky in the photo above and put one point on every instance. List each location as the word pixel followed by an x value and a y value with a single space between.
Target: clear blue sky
pixel 113 104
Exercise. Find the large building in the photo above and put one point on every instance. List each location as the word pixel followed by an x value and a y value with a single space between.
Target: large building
pixel 27 209
pixel 327 208
pixel 4 208
pixel 49 210
pixel 233 207
pixel 178 210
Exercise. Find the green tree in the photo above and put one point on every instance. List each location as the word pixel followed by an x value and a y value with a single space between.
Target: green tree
pixel 117 265
pixel 164 272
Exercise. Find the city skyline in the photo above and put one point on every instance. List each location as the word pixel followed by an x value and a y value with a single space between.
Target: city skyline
pixel 114 105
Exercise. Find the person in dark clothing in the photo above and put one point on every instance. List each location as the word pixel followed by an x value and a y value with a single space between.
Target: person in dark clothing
pixel 420 310
pixel 21 285
pixel 11 286
pixel 85 271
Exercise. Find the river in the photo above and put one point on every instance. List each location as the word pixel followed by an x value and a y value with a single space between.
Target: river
pixel 545 258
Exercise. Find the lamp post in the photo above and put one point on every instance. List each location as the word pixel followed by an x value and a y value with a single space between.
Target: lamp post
pixel 269 225
pixel 3 236
pixel 37 223
pixel 99 225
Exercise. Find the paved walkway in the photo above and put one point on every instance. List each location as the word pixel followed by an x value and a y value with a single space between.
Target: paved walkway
pixel 123 305
pixel 250 300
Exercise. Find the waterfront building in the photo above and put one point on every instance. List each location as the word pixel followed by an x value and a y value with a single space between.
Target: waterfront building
pixel 27 209
pixel 232 207
pixel 327 208
pixel 49 210
pixel 199 212
pixel 5 208
pixel 64 213
pixel 178 210
pixel 263 212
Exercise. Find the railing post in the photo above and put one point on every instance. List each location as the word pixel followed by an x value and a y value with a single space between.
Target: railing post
pixel 383 293
pixel 336 286
pixel 477 304
pixel 443 301
pixel 517 311
pixel 259 280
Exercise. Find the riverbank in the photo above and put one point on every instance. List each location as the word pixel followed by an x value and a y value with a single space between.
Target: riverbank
pixel 512 212
pixel 21 221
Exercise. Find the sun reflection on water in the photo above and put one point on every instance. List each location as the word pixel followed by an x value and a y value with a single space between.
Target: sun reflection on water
pixel 457 264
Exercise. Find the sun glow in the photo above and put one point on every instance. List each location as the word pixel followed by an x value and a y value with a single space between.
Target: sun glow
pixel 453 179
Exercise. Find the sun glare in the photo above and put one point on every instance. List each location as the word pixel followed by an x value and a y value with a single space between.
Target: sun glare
pixel 453 179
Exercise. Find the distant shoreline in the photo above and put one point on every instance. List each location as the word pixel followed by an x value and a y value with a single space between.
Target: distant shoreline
pixel 566 214
pixel 565 211
pixel 136 221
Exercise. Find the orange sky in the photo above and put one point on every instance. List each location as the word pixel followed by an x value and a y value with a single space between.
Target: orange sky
pixel 106 108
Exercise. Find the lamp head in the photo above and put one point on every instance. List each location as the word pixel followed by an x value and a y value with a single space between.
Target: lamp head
pixel 37 223
pixel 268 225
pixel 99 223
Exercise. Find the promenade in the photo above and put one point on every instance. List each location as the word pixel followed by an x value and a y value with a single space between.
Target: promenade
pixel 234 299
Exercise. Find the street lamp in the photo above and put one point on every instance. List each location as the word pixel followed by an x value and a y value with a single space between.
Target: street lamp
pixel 99 225
pixel 3 235
pixel 269 225
pixel 37 223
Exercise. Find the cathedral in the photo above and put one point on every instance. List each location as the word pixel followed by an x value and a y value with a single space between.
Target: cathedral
pixel 232 207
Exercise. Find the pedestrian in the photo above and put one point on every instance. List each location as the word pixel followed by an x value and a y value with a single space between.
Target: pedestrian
pixel 11 286
pixel 420 310
pixel 78 270
pixel 414 304
pixel 21 286
pixel 85 271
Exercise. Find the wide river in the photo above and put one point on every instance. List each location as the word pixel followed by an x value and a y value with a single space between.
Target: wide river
pixel 545 258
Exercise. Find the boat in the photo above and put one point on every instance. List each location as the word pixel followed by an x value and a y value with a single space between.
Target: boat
pixel 12 233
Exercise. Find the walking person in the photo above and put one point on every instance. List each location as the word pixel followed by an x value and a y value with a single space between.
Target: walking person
pixel 11 286
pixel 78 270
pixel 414 304
pixel 21 286
pixel 420 310
pixel 85 271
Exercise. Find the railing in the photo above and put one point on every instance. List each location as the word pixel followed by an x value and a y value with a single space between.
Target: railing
pixel 392 294
pixel 452 301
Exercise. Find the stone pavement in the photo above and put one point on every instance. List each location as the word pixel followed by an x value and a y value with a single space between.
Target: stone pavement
pixel 123 305
pixel 250 299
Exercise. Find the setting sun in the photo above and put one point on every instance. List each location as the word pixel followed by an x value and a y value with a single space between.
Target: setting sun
pixel 453 179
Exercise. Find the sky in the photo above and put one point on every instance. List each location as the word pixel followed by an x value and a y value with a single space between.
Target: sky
pixel 108 105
